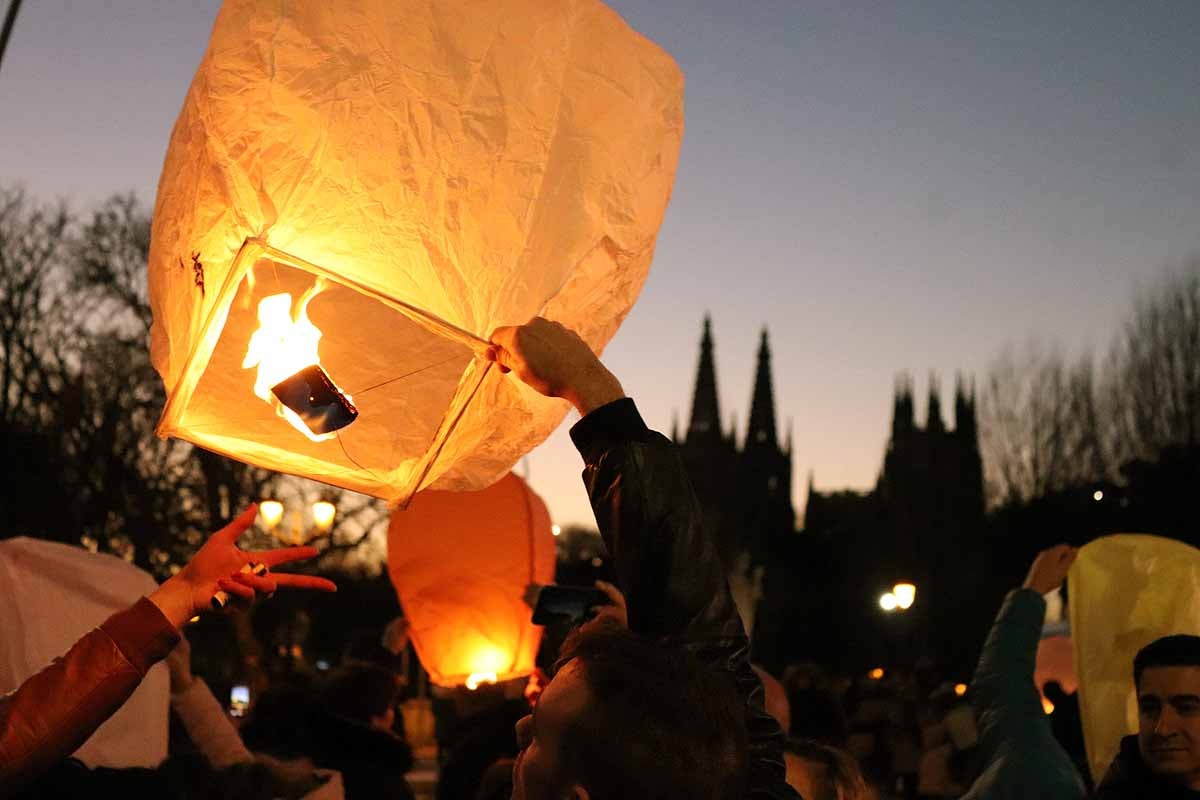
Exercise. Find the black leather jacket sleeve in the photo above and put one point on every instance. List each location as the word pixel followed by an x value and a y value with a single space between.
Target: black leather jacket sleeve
pixel 667 564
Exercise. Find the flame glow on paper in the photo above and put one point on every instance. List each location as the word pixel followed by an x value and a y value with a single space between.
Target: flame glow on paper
pixel 283 345
pixel 449 168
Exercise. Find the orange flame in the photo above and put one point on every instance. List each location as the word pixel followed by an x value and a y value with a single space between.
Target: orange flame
pixel 283 345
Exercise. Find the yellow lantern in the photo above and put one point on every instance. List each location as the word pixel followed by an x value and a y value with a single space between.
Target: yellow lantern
pixel 1125 591
pixel 461 563
pixel 355 195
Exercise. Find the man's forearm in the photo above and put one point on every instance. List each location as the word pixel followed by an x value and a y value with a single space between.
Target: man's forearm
pixel 595 388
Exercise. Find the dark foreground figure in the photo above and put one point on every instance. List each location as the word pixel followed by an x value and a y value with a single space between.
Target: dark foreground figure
pixel 670 708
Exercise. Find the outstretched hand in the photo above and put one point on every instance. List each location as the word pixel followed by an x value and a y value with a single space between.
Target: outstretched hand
pixel 1050 568
pixel 217 566
pixel 553 360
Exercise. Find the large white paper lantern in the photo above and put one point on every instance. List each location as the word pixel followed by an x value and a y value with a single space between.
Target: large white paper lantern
pixel 410 175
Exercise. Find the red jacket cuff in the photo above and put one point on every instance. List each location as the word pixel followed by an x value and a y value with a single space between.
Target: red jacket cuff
pixel 142 634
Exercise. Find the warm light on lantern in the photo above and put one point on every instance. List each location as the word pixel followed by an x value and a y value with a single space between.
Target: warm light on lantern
pixel 905 594
pixel 271 512
pixel 888 602
pixel 461 562
pixel 323 512
pixel 960 689
pixel 477 679
pixel 283 345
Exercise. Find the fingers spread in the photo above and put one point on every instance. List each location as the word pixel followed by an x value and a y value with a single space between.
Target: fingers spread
pixel 235 588
pixel 283 555
pixel 266 585
pixel 234 530
pixel 305 582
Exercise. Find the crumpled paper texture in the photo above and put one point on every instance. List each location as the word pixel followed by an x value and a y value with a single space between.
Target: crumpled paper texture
pixel 483 161
pixel 460 563
pixel 1125 591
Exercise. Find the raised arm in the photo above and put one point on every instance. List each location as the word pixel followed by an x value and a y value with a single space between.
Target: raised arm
pixel 52 713
pixel 666 562
pixel 1020 756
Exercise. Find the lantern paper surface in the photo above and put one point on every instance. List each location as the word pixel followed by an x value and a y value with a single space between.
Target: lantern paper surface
pixel 413 174
pixel 461 563
pixel 54 594
pixel 1125 591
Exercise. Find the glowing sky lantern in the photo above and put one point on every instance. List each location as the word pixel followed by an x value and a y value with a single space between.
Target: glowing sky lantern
pixel 461 563
pixel 1125 591
pixel 355 195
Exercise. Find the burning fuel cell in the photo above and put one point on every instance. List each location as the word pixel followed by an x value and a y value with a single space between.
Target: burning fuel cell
pixel 286 350
pixel 316 400
pixel 290 377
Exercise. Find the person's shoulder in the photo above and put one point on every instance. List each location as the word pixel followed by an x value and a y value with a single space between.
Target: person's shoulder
pixel 1126 776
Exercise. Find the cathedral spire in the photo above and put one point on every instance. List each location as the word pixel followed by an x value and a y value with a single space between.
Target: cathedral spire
pixel 935 421
pixel 706 412
pixel 964 407
pixel 761 429
pixel 902 406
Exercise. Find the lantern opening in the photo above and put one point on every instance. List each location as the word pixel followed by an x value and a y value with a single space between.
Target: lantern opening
pixel 477 679
pixel 381 347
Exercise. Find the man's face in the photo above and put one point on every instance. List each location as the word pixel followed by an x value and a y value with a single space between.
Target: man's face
pixel 1169 723
pixel 537 773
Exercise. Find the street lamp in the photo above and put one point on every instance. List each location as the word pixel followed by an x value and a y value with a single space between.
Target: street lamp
pixel 906 595
pixel 322 514
pixel 271 513
pixel 888 602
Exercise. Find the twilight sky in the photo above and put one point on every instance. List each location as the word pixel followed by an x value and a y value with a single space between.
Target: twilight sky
pixel 885 186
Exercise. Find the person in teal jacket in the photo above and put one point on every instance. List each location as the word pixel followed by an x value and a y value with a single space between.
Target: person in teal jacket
pixel 1021 759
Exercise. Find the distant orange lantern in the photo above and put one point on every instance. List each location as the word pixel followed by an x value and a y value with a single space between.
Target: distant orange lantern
pixel 461 563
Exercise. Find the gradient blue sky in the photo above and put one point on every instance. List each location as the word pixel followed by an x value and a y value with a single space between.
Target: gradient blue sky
pixel 886 186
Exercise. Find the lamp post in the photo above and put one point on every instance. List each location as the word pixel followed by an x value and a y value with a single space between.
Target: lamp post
pixel 322 513
pixel 897 602
pixel 899 599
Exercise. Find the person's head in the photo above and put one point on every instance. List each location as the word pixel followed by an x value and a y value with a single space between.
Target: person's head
pixel 365 693
pixel 1166 674
pixel 820 772
pixel 625 717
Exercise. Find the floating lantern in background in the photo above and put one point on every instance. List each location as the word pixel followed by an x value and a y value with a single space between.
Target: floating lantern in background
pixel 461 563
pixel 1124 591
pixel 352 201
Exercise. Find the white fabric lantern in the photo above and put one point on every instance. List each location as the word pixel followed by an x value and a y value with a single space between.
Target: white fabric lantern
pixel 54 594
pixel 420 173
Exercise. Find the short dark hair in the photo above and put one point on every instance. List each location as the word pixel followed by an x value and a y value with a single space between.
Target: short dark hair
pixel 1179 650
pixel 658 723
pixel 360 691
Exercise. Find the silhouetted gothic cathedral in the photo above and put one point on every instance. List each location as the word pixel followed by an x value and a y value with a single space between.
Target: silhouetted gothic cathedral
pixel 921 523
